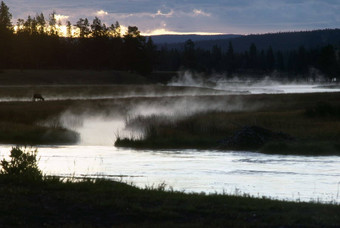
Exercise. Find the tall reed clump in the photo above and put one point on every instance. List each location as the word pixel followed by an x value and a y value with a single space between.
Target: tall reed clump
pixel 200 130
pixel 23 165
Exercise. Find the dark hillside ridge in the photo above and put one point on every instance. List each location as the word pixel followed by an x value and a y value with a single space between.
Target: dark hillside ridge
pixel 283 41
pixel 173 39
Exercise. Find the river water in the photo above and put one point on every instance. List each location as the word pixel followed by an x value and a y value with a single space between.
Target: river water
pixel 294 178
pixel 282 177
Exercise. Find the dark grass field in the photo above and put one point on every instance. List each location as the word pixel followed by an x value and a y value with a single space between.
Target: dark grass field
pixel 100 203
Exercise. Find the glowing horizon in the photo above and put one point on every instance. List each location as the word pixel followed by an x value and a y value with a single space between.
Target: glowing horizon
pixel 158 32
pixel 62 31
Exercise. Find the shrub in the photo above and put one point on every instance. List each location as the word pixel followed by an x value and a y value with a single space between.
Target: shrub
pixel 23 164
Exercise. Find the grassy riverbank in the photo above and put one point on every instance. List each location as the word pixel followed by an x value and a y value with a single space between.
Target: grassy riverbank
pixel 24 123
pixel 101 203
pixel 197 117
pixel 312 120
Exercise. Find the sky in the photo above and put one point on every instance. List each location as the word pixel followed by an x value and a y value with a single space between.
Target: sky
pixel 192 16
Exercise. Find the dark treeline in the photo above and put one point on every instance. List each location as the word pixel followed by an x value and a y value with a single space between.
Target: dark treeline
pixel 301 62
pixel 37 43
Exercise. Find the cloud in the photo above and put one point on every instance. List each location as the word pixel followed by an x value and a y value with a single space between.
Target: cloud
pixel 159 13
pixel 60 17
pixel 101 13
pixel 169 32
pixel 198 12
pixel 218 16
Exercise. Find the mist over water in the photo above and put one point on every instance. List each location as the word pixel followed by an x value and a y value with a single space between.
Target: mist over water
pixel 266 85
pixel 95 129
pixel 185 84
pixel 102 126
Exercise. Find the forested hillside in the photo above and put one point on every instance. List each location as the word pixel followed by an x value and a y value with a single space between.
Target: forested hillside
pixel 162 40
pixel 283 41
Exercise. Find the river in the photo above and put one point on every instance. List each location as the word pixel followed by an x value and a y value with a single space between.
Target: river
pixel 293 178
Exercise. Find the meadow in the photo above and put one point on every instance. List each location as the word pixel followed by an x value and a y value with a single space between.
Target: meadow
pixel 101 203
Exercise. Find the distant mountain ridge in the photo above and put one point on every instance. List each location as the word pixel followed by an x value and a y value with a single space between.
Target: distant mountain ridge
pixel 173 39
pixel 278 41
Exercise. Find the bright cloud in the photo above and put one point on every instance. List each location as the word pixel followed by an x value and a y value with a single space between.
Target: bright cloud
pixel 101 13
pixel 198 12
pixel 60 17
pixel 169 32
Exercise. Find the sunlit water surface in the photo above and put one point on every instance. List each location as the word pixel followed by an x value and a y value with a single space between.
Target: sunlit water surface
pixel 297 178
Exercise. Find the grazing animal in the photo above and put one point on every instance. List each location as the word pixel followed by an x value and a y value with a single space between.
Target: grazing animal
pixel 37 96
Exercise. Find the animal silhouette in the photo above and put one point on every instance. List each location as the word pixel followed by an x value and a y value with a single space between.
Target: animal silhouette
pixel 37 97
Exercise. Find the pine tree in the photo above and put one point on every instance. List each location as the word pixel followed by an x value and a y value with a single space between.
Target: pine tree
pixel 5 18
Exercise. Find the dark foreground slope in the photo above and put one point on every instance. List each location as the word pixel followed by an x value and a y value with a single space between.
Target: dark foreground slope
pixel 102 203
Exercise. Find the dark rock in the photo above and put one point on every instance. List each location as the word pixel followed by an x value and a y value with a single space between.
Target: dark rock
pixel 253 137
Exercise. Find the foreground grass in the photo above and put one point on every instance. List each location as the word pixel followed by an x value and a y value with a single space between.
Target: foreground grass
pixel 102 203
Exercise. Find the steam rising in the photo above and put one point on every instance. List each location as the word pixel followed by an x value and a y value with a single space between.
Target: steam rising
pixel 94 129
pixel 271 84
pixel 100 124
pixel 101 127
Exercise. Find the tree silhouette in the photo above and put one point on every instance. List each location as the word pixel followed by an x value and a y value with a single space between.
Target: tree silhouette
pixel 69 29
pixel 5 18
pixel 52 22
pixel 270 59
pixel 327 60
pixel 6 32
pixel 41 23
pixel 230 59
pixel 252 56
pixel 83 26
pixel 115 30
pixel 135 52
pixel 98 29
pixel 189 58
